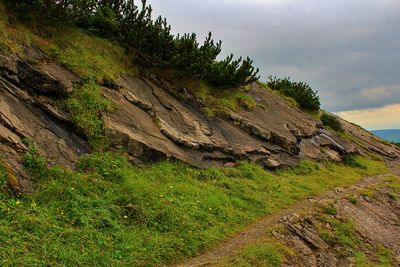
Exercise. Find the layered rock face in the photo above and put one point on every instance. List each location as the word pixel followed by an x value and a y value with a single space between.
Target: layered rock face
pixel 150 123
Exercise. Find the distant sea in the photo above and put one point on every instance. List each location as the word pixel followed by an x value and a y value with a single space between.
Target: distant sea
pixel 392 135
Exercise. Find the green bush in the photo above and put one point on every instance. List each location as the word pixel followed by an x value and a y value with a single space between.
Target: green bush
pixel 300 91
pixel 150 39
pixel 331 121
pixel 352 161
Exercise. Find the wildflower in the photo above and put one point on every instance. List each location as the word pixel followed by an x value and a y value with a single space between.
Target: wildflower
pixel 17 202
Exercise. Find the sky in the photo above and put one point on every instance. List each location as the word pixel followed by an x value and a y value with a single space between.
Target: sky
pixel 348 50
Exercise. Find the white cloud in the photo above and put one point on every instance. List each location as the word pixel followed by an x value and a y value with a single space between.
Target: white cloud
pixel 387 117
pixel 345 49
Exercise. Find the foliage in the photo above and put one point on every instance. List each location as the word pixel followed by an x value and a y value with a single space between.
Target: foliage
pixel 332 121
pixel 90 57
pixel 342 232
pixel 232 73
pixel 300 91
pixel 86 106
pixel 269 252
pixel 352 161
pixel 108 212
pixel 217 101
pixel 3 179
pixel 48 11
pixel 329 209
pixel 150 38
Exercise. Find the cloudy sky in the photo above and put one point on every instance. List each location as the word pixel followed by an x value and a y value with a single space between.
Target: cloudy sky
pixel 348 50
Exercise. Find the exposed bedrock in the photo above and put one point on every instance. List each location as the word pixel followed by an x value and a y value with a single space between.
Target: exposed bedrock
pixel 150 123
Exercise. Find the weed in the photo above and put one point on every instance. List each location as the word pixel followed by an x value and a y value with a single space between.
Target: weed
pixel 393 195
pixel 108 212
pixel 208 113
pixel 352 161
pixel 3 179
pixel 329 209
pixel 361 260
pixel 92 58
pixel 353 200
pixel 268 252
pixel 86 106
pixel 385 256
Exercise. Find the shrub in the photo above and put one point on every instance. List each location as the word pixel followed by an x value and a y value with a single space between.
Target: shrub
pixel 150 39
pixel 300 91
pixel 352 161
pixel 331 121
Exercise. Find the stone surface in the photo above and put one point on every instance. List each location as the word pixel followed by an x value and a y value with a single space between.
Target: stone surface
pixel 153 124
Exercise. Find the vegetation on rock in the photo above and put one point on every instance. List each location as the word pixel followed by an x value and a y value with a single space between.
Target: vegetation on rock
pixel 332 122
pixel 134 28
pixel 86 106
pixel 300 91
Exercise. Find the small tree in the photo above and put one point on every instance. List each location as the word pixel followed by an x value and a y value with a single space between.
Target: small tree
pixel 300 91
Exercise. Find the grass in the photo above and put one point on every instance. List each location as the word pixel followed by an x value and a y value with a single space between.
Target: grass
pixel 384 258
pixel 342 233
pixel 11 38
pixel 3 179
pixel 269 252
pixel 86 106
pixel 90 57
pixel 108 212
pixel 217 101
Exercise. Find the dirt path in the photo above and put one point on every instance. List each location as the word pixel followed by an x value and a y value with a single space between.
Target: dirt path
pixel 257 231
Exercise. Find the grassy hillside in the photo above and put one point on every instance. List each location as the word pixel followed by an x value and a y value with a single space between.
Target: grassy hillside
pixel 111 213
pixel 108 212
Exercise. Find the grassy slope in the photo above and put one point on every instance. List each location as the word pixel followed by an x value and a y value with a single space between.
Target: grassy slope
pixel 341 235
pixel 111 213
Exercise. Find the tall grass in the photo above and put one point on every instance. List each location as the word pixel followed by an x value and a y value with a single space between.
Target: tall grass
pixel 111 213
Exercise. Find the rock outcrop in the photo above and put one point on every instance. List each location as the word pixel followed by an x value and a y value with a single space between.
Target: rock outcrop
pixel 370 223
pixel 151 123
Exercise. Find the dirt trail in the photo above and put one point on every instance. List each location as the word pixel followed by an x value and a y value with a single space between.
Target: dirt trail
pixel 257 231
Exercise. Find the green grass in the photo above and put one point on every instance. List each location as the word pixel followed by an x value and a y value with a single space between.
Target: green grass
pixel 90 57
pixel 217 101
pixel 383 256
pixel 86 106
pixel 268 253
pixel 342 232
pixel 3 179
pixel 108 212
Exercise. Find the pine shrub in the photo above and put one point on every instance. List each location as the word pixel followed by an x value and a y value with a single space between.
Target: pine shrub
pixel 134 28
pixel 300 91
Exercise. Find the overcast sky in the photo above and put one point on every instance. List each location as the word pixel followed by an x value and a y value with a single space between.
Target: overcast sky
pixel 348 50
